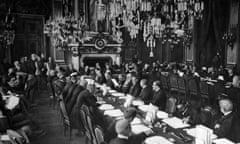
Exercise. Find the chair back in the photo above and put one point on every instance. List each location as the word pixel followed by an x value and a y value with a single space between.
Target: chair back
pixel 64 113
pixel 173 82
pixel 91 127
pixel 99 134
pixel 219 88
pixel 164 82
pixel 204 88
pixel 193 86
pixel 181 84
pixel 85 125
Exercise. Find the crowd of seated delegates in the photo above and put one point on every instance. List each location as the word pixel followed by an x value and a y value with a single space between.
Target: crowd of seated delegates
pixel 143 83
pixel 21 78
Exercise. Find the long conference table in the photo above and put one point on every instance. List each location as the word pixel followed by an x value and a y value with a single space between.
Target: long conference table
pixel 166 129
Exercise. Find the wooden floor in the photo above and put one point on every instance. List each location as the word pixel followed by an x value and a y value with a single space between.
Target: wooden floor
pixel 50 121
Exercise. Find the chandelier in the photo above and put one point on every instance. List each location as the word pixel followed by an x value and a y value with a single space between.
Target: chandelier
pixel 7 34
pixel 65 30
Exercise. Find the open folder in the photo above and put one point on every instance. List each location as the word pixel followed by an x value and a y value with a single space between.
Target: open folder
pixel 175 122
pixel 139 128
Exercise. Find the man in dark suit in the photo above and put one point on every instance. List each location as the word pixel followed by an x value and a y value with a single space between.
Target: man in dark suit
pixel 146 92
pixel 125 136
pixel 129 114
pixel 135 88
pixel 70 92
pixel 223 125
pixel 159 96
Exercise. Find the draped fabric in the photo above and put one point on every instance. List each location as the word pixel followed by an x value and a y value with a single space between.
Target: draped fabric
pixel 92 14
pixel 209 31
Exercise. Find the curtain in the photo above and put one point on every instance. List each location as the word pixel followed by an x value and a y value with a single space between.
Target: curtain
pixel 209 31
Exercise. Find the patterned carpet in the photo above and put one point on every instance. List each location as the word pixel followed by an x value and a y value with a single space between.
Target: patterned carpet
pixel 49 120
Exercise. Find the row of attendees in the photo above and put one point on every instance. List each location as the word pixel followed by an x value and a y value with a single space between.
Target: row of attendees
pixel 19 83
pixel 222 121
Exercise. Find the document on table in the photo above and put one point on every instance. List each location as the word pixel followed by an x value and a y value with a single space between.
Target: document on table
pixel 117 94
pixel 106 107
pixel 193 132
pixel 114 113
pixel 12 102
pixel 175 122
pixel 162 115
pixel 139 128
pixel 137 103
pixel 101 102
pixel 222 141
pixel 144 108
pixel 157 140
pixel 136 121
pixel 5 138
pixel 112 91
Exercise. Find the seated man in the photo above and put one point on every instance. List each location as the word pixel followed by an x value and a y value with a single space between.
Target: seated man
pixel 109 81
pixel 223 125
pixel 159 96
pixel 125 136
pixel 146 92
pixel 135 89
pixel 129 115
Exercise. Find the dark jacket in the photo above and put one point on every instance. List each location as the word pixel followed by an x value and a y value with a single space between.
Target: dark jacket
pixel 225 123
pixel 70 92
pixel 73 99
pixel 159 99
pixel 65 89
pixel 135 90
pixel 146 94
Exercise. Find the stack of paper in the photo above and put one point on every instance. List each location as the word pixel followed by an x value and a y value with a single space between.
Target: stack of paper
pixel 139 128
pixel 192 132
pixel 5 138
pixel 162 115
pixel 101 102
pixel 175 122
pixel 114 113
pixel 144 108
pixel 137 103
pixel 117 94
pixel 112 91
pixel 157 140
pixel 106 107
pixel 222 141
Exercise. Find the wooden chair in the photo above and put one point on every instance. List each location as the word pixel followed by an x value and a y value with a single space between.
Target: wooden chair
pixel 204 92
pixel 164 82
pixel 173 84
pixel 192 87
pixel 182 88
pixel 90 123
pixel 91 127
pixel 99 135
pixel 65 119
pixel 85 127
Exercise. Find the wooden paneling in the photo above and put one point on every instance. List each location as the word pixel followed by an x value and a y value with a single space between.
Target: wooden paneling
pixel 29 36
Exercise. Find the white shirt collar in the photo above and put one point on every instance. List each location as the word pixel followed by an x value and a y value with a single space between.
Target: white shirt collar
pixel 122 136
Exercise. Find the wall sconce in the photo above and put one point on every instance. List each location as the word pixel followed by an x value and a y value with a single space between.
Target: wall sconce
pixel 229 38
pixel 151 43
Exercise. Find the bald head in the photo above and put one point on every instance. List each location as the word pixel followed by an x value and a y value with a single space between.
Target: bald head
pixel 226 105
